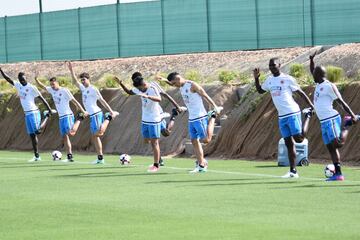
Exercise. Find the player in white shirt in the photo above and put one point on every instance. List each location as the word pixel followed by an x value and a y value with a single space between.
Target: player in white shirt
pixel 281 88
pixel 27 93
pixel 201 123
pixel 90 96
pixel 334 135
pixel 67 124
pixel 152 121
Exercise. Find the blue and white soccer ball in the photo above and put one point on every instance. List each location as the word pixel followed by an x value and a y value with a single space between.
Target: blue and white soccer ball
pixel 125 159
pixel 56 155
pixel 329 170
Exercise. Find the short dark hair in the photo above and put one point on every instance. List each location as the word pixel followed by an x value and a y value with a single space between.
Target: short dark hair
pixel 135 75
pixel 21 74
pixel 172 76
pixel 275 60
pixel 53 79
pixel 85 75
pixel 138 81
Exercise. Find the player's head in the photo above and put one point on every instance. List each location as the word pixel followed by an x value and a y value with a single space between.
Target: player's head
pixel 135 75
pixel 274 66
pixel 54 84
pixel 140 83
pixel 175 79
pixel 22 78
pixel 319 74
pixel 85 79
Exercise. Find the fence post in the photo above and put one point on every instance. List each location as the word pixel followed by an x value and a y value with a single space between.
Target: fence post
pixel 208 25
pixel 41 36
pixel 312 10
pixel 257 24
pixel 6 45
pixel 162 25
pixel 79 30
pixel 118 27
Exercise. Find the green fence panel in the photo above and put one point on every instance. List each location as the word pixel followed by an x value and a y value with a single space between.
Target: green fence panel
pixel 98 31
pixel 140 29
pixel 185 26
pixel 60 35
pixel 336 21
pixel 281 23
pixel 23 38
pixel 2 41
pixel 232 24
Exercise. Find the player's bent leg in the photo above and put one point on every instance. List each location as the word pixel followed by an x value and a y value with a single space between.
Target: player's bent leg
pixel 209 130
pixel 34 142
pixel 75 127
pixel 290 145
pixel 44 122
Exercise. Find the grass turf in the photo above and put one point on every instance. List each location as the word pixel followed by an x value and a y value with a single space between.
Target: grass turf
pixel 234 200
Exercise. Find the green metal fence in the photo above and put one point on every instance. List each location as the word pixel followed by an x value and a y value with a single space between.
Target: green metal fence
pixel 177 26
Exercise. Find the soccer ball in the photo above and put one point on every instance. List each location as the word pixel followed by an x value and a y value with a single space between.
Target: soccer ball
pixel 329 170
pixel 56 155
pixel 125 159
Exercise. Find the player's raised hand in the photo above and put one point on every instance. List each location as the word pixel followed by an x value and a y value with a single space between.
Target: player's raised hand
pixel 69 65
pixel 311 57
pixel 256 73
pixel 160 78
pixel 118 80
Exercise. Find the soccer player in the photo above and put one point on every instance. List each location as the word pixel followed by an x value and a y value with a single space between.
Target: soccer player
pixel 281 87
pixel 201 128
pixel 67 124
pixel 334 135
pixel 152 124
pixel 90 96
pixel 27 93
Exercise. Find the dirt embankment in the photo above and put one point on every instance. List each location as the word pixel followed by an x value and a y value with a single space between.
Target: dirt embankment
pixel 123 134
pixel 256 135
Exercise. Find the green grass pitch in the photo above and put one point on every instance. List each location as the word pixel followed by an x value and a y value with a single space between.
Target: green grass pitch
pixel 234 200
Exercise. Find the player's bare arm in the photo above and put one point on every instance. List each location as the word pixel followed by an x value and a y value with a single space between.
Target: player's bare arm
pixel 256 73
pixel 122 85
pixel 312 63
pixel 7 78
pixel 40 84
pixel 78 106
pixel 51 111
pixel 305 97
pixel 176 105
pixel 73 76
pixel 162 79
pixel 200 90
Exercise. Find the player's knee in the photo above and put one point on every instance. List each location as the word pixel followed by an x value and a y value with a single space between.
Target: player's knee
pixel 289 141
pixel 71 133
pixel 338 143
pixel 165 132
pixel 206 140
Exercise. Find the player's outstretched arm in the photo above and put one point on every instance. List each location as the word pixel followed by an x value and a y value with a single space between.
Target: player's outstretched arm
pixel 162 79
pixel 105 104
pixel 305 97
pixel 73 76
pixel 7 78
pixel 78 106
pixel 120 82
pixel 40 84
pixel 343 104
pixel 46 104
pixel 172 101
pixel 201 91
pixel 256 73
pixel 312 63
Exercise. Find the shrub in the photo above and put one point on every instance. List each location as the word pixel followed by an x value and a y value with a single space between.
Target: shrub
pixel 226 77
pixel 194 75
pixel 334 74
pixel 297 70
pixel 5 87
pixel 245 78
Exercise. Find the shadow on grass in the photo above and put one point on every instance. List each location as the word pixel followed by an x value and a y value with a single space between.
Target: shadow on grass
pixel 199 181
pixel 246 183
pixel 112 174
pixel 269 166
pixel 324 186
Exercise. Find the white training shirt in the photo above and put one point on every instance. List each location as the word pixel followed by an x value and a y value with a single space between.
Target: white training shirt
pixel 325 94
pixel 27 95
pixel 90 95
pixel 61 98
pixel 193 101
pixel 281 89
pixel 151 110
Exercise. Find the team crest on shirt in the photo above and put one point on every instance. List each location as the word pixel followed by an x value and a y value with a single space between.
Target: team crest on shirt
pixel 87 91
pixel 26 90
pixel 321 89
pixel 282 81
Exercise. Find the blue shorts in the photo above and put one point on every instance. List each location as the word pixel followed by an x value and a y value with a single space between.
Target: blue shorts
pixel 291 125
pixel 163 125
pixel 151 130
pixel 331 129
pixel 66 123
pixel 95 122
pixel 198 128
pixel 32 121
